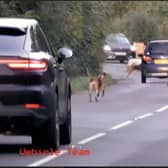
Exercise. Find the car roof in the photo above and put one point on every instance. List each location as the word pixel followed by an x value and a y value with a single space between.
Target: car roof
pixel 17 22
pixel 158 41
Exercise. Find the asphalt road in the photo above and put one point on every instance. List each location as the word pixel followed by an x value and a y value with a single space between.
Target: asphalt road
pixel 128 127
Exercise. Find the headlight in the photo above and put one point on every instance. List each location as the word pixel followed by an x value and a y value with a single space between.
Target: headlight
pixel 133 48
pixel 106 48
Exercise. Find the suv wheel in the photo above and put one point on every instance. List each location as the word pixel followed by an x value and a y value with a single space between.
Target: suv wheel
pixel 121 61
pixel 66 128
pixel 48 135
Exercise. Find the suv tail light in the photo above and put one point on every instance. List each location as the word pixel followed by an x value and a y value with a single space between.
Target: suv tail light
pixel 32 106
pixel 147 59
pixel 25 64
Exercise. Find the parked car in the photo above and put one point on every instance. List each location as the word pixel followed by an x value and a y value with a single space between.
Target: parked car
pixel 118 47
pixel 35 90
pixel 155 60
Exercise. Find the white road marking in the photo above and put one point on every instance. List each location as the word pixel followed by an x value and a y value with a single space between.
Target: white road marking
pixel 51 157
pixel 162 109
pixel 121 125
pixel 46 159
pixel 143 116
pixel 91 138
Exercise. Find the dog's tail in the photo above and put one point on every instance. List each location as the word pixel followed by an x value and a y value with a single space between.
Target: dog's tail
pixel 88 73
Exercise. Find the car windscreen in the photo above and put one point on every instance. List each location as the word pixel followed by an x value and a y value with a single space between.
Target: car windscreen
pixel 117 40
pixel 158 48
pixel 11 39
pixel 122 40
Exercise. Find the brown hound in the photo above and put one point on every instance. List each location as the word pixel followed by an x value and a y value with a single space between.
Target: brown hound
pixel 97 85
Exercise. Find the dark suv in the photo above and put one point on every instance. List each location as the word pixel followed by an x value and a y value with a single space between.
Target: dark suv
pixel 35 91
pixel 155 60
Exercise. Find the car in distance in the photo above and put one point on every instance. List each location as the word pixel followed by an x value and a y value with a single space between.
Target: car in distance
pixel 118 47
pixel 35 90
pixel 155 60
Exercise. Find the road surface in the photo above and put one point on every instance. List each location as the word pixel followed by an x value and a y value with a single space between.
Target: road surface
pixel 128 127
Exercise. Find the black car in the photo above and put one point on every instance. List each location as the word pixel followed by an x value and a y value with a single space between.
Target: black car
pixel 35 91
pixel 155 60
pixel 118 47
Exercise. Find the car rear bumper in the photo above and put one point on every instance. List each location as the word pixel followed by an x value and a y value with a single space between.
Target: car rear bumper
pixel 13 111
pixel 155 70
pixel 19 111
pixel 14 94
pixel 23 119
pixel 118 55
pixel 113 57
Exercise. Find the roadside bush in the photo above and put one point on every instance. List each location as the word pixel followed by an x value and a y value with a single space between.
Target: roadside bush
pixel 78 31
pixel 137 27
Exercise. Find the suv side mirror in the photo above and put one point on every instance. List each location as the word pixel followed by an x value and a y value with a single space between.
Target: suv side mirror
pixel 64 53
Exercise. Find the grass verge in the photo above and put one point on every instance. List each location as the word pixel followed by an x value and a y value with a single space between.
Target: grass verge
pixel 81 83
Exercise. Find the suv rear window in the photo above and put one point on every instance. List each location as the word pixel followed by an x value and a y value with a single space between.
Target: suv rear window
pixel 158 48
pixel 11 39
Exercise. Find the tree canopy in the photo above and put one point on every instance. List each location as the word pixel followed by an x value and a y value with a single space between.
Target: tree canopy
pixel 83 25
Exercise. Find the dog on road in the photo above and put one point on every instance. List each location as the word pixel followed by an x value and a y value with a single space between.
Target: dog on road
pixel 132 63
pixel 97 86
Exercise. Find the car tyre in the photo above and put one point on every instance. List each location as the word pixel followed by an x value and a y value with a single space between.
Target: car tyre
pixel 143 77
pixel 66 128
pixel 47 136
